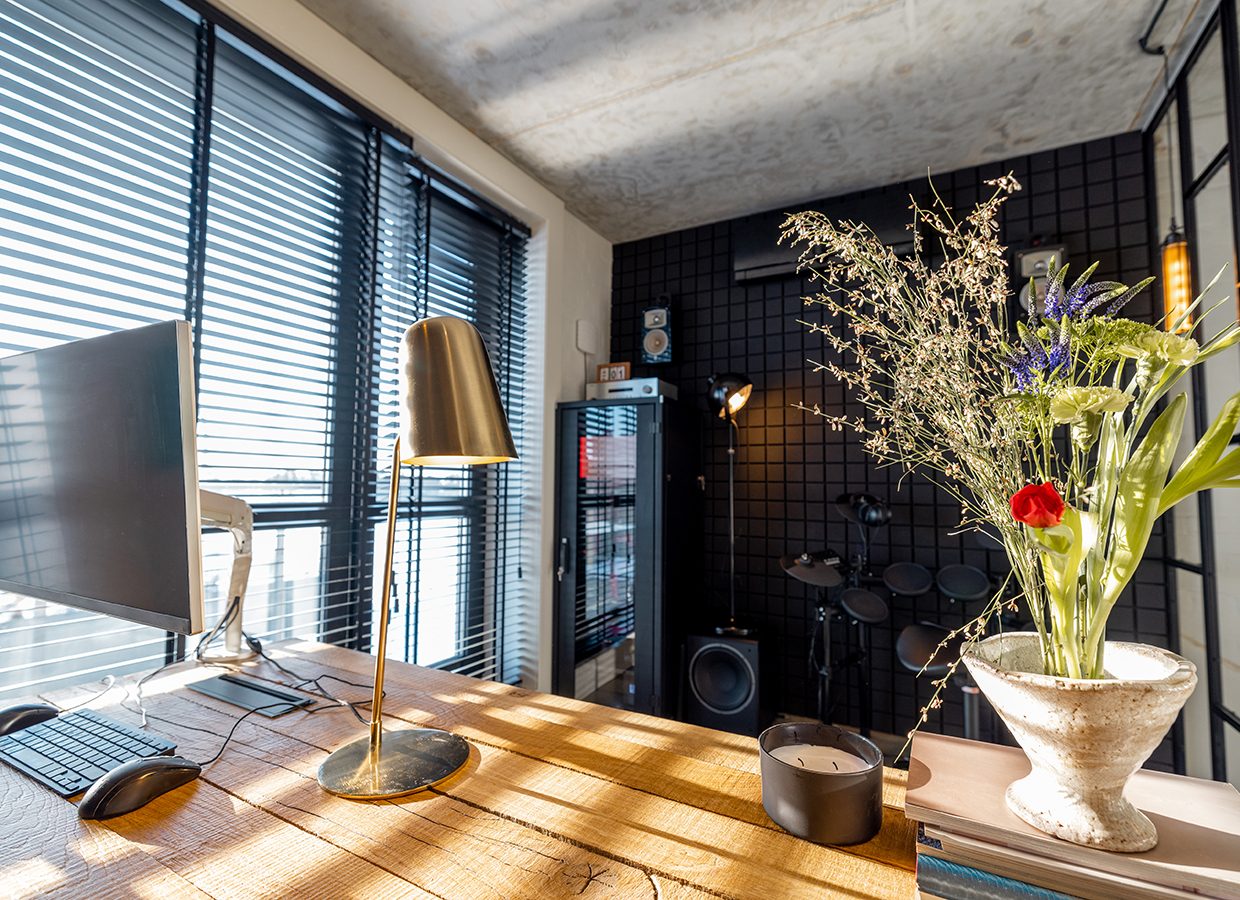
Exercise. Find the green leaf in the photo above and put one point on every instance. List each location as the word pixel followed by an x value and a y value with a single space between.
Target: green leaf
pixel 1183 317
pixel 1220 343
pixel 1057 539
pixel 1137 500
pixel 1197 471
pixel 1225 469
pixel 1065 547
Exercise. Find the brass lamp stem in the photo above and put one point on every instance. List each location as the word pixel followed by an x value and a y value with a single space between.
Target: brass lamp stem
pixel 461 424
pixel 376 705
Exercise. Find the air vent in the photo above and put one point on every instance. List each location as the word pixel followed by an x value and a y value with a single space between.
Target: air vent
pixel 757 253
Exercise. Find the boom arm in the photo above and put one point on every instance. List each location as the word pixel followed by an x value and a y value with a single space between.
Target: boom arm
pixel 234 515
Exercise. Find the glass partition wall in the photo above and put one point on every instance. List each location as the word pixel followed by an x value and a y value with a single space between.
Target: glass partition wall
pixel 1193 149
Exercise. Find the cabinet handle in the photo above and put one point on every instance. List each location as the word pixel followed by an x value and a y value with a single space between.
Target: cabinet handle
pixel 562 568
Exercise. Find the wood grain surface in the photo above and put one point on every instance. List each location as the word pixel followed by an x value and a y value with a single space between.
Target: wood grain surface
pixel 560 799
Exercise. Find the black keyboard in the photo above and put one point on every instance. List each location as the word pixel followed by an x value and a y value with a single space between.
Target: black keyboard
pixel 69 753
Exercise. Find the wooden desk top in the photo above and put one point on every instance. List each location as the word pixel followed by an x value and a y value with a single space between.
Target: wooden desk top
pixel 560 799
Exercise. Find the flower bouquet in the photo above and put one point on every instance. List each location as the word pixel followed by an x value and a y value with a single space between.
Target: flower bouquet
pixel 1056 435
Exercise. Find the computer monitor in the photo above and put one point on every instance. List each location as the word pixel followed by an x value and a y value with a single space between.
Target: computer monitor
pixel 99 501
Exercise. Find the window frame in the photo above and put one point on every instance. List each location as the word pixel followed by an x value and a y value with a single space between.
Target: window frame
pixel 349 511
pixel 1221 24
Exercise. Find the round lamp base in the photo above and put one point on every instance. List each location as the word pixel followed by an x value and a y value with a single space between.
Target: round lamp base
pixel 221 655
pixel 408 761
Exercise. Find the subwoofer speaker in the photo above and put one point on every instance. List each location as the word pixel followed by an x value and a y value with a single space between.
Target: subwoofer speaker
pixel 722 683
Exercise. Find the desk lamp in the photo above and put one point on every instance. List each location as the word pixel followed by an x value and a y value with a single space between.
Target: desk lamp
pixel 728 394
pixel 450 415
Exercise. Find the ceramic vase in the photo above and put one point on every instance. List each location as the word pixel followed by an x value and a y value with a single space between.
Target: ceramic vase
pixel 1084 737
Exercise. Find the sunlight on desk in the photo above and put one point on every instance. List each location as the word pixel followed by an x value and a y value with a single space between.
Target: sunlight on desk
pixel 35 875
pixel 558 797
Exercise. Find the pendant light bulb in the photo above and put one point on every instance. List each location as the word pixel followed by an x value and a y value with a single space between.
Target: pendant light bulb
pixel 1176 282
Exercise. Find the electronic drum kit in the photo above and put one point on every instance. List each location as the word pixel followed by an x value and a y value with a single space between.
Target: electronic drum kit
pixel 841 594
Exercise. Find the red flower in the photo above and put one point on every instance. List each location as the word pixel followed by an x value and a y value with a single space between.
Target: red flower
pixel 1038 505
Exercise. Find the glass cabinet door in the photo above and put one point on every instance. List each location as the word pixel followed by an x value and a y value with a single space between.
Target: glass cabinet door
pixel 605 489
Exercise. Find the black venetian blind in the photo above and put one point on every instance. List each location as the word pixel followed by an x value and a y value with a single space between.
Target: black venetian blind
pixel 456 599
pixel 156 165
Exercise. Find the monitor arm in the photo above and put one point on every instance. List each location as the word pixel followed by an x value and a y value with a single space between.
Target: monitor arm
pixel 234 515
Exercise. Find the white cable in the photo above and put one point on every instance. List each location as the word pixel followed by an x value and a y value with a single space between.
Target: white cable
pixel 109 682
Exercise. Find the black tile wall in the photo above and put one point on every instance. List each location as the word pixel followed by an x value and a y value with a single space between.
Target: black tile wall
pixel 1089 197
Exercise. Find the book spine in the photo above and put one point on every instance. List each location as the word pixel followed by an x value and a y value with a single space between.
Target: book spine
pixel 957 882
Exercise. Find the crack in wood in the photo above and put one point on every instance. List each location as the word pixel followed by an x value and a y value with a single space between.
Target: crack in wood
pixel 589 876
pixel 481 837
pixel 582 845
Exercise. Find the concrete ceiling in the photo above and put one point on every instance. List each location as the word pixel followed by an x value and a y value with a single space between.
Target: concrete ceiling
pixel 648 116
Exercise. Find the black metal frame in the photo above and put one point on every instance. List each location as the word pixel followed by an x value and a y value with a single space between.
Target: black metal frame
pixel 1223 23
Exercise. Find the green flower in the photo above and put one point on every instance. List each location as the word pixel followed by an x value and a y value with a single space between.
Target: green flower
pixel 1072 404
pixel 1162 346
pixel 1097 339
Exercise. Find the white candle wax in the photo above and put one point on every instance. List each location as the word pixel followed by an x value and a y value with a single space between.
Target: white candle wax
pixel 819 759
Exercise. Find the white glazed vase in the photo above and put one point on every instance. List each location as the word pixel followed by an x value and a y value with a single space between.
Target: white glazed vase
pixel 1084 737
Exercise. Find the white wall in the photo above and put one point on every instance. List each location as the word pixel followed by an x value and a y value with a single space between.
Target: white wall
pixel 570 264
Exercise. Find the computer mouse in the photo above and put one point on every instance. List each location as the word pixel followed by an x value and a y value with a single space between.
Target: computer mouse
pixel 15 718
pixel 134 784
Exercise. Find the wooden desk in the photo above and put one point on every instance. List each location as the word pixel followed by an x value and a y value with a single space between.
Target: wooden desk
pixel 561 799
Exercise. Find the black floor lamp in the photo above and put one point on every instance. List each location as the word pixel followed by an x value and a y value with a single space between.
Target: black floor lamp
pixel 728 394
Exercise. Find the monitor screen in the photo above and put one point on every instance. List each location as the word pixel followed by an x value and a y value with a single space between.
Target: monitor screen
pixel 99 505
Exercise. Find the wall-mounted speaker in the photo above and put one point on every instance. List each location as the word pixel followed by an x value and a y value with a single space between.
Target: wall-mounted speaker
pixel 721 674
pixel 657 332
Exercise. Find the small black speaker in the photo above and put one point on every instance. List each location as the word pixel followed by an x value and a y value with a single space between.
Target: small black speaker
pixel 722 683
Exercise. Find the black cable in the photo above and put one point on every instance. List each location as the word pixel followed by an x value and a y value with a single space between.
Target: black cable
pixel 230 613
pixel 228 737
pixel 138 689
pixel 333 703
pixel 1144 40
pixel 302 681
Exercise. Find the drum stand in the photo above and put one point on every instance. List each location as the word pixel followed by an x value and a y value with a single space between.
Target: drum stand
pixel 822 632
pixel 856 659
pixel 862 608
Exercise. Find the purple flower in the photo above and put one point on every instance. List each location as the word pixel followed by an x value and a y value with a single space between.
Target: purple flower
pixel 1083 299
pixel 1060 356
pixel 1033 359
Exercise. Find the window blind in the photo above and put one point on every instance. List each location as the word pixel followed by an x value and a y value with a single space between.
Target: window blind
pixel 154 165
pixel 284 245
pixel 458 567
pixel 96 144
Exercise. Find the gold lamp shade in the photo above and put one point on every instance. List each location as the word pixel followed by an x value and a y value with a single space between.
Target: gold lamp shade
pixel 450 409
pixel 451 415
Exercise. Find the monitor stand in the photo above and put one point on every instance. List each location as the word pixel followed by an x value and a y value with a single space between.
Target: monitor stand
pixel 234 515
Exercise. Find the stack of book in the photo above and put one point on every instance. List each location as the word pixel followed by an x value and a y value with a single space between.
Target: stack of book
pixel 971 846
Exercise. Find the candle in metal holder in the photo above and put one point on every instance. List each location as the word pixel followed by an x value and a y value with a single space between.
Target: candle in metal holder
pixel 822 783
